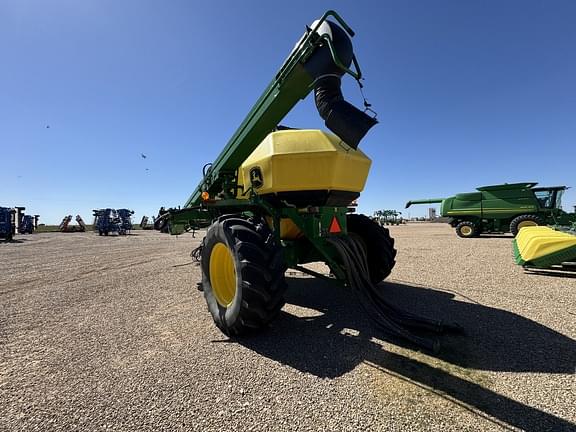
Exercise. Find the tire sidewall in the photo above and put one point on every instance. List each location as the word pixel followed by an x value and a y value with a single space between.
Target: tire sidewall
pixel 471 225
pixel 369 232
pixel 222 315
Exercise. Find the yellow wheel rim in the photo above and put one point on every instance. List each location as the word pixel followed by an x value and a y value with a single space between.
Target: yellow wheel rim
pixel 466 230
pixel 526 223
pixel 222 274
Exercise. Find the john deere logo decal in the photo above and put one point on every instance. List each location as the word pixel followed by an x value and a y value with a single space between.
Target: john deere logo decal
pixel 256 177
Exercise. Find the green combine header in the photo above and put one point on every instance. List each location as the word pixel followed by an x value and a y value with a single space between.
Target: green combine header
pixel 546 248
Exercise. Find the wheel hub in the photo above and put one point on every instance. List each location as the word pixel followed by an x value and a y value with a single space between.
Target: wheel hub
pixel 222 274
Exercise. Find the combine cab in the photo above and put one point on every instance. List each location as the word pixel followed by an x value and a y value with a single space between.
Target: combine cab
pixel 502 208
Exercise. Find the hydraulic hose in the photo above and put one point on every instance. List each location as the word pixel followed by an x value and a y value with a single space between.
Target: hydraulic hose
pixel 386 316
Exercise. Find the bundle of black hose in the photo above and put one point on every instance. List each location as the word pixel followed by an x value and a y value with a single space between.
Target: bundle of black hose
pixel 196 253
pixel 386 316
pixel 354 270
pixel 403 317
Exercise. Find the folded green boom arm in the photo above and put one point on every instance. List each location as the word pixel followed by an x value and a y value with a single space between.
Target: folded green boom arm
pixel 321 56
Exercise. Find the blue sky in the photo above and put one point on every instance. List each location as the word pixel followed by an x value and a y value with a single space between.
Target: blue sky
pixel 467 94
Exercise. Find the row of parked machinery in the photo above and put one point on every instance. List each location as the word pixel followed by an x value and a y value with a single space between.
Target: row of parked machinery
pixel 106 221
pixel 14 220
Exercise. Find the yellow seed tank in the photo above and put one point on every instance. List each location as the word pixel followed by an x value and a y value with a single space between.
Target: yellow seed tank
pixel 291 161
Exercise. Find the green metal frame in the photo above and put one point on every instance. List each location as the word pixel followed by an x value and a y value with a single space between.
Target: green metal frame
pixel 314 222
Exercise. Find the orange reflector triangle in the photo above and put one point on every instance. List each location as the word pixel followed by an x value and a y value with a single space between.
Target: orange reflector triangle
pixel 335 226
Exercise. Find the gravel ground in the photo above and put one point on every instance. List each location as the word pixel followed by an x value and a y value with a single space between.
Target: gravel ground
pixel 110 333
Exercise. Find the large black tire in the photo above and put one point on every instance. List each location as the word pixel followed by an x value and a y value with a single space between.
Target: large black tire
pixel 524 220
pixel 467 229
pixel 254 287
pixel 378 243
pixel 162 225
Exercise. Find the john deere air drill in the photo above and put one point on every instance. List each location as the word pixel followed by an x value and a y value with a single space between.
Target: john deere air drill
pixel 278 198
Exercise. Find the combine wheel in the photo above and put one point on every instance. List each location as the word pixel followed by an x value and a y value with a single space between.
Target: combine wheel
pixel 467 229
pixel 242 274
pixel 524 221
pixel 378 243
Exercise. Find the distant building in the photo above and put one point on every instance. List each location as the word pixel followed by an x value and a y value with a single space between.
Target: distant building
pixel 431 213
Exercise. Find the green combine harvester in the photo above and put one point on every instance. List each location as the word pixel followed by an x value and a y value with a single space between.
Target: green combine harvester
pixel 502 208
pixel 277 197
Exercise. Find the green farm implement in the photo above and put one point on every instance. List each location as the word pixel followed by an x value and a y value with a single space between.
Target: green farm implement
pixel 502 208
pixel 277 197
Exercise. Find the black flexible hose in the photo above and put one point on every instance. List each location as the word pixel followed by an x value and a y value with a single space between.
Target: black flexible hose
pixel 355 250
pixel 196 253
pixel 404 317
pixel 385 316
pixel 341 117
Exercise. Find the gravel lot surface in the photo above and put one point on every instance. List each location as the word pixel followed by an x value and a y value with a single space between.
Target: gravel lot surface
pixel 110 333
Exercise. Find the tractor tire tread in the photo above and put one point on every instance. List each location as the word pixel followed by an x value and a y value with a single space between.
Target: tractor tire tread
pixel 475 230
pixel 260 263
pixel 522 218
